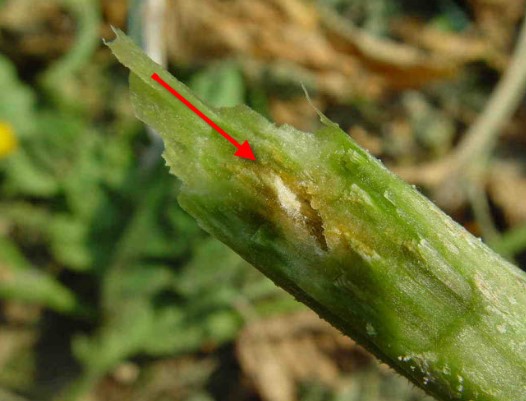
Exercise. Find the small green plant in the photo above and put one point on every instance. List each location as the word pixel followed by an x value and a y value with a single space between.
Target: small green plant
pixel 327 222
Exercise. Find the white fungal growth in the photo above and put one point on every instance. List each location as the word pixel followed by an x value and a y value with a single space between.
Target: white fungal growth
pixel 287 199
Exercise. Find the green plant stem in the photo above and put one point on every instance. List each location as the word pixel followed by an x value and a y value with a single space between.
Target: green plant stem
pixel 327 222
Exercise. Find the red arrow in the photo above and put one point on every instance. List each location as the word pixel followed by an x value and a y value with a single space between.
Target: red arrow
pixel 243 150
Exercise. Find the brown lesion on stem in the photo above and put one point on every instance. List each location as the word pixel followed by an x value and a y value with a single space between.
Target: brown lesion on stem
pixel 313 220
pixel 291 199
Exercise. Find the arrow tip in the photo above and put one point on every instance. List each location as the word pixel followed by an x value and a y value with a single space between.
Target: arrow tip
pixel 245 151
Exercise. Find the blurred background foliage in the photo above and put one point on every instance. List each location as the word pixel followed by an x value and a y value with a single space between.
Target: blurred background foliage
pixel 109 291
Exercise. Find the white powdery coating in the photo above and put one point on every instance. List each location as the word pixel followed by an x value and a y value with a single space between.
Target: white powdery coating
pixel 287 199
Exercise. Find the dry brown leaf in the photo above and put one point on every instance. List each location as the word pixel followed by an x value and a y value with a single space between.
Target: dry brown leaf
pixel 278 353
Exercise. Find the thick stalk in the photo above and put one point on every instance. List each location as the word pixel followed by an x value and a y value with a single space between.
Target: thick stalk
pixel 327 222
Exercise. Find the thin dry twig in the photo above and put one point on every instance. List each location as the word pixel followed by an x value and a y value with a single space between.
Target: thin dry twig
pixel 153 28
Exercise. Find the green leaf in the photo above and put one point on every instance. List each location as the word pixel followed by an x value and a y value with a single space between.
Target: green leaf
pixel 17 100
pixel 68 237
pixel 220 84
pixel 47 155
pixel 22 282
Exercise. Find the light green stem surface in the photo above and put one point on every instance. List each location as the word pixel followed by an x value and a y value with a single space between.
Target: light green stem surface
pixel 327 222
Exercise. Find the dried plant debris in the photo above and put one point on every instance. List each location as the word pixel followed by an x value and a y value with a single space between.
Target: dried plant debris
pixel 173 379
pixel 38 29
pixel 281 353
pixel 497 19
pixel 300 39
pixel 463 47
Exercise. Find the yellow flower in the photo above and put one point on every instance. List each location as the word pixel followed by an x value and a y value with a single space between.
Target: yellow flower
pixel 8 141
